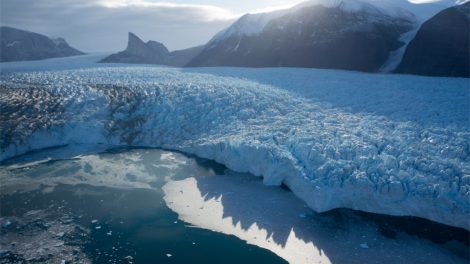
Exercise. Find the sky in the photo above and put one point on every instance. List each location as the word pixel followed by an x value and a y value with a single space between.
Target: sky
pixel 102 25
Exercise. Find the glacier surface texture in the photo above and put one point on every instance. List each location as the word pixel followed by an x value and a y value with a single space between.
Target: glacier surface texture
pixel 390 144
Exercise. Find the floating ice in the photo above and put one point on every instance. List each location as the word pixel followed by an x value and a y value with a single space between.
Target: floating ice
pixel 98 227
pixel 364 245
pixel 168 255
pixel 30 213
pixel 109 233
pixel 94 221
pixel 6 224
pixel 61 234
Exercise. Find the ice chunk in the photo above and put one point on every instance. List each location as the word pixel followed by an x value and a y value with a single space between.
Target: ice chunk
pixel 364 245
pixel 7 223
pixel 109 233
pixel 168 255
pixel 98 227
pixel 303 215
pixel 94 221
pixel 30 213
pixel 61 234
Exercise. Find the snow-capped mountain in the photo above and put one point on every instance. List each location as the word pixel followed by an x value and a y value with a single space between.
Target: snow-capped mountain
pixel 348 34
pixel 359 35
pixel 151 52
pixel 21 45
pixel 441 46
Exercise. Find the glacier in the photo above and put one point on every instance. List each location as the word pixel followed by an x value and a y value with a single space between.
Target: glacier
pixel 389 144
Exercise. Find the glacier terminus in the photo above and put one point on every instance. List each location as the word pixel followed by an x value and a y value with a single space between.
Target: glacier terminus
pixel 388 144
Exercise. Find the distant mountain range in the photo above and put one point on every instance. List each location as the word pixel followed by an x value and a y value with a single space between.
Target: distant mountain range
pixel 22 45
pixel 358 35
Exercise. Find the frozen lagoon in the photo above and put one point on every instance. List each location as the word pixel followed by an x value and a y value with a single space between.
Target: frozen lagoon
pixel 129 193
pixel 389 144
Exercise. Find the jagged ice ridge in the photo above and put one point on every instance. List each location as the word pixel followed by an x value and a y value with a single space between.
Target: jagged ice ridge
pixel 391 144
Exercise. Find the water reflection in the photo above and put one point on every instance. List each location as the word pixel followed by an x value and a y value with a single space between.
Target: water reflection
pixel 275 219
pixel 121 189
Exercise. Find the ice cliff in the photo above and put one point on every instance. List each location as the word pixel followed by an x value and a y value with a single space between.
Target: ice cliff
pixel 389 144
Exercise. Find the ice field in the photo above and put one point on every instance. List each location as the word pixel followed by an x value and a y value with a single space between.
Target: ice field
pixel 390 144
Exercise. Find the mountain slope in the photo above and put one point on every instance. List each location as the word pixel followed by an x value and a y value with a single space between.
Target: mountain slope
pixel 350 35
pixel 441 46
pixel 21 45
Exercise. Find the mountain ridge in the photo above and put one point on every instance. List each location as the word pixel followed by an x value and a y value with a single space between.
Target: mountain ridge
pixel 152 52
pixel 23 45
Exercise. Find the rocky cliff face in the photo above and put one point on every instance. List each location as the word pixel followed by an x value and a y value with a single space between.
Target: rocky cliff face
pixel 21 45
pixel 151 52
pixel 441 46
pixel 139 52
pixel 313 37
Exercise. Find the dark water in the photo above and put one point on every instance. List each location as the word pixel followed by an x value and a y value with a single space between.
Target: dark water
pixel 142 226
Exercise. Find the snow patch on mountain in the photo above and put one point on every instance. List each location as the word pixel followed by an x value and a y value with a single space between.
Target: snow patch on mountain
pixel 57 41
pixel 13 43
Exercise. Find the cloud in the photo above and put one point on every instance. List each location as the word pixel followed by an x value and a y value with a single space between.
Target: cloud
pixel 206 12
pixel 270 9
pixel 102 25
